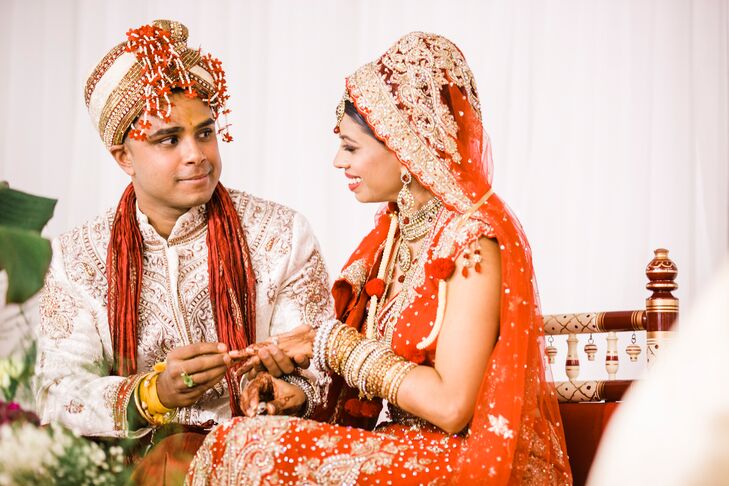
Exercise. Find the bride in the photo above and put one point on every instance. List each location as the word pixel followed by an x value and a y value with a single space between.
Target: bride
pixel 438 313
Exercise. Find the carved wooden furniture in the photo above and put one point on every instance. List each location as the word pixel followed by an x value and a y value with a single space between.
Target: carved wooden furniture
pixel 586 405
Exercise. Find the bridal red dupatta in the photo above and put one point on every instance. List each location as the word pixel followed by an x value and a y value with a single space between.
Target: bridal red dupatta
pixel 420 99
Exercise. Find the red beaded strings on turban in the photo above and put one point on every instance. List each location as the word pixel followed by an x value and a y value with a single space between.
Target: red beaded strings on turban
pixel 163 70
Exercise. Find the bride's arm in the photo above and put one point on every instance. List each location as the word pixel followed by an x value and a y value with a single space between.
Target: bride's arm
pixel 445 395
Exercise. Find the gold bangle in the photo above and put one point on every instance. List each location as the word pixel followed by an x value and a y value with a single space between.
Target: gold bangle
pixel 344 347
pixel 147 400
pixel 371 366
pixel 356 359
pixel 403 369
pixel 337 352
pixel 154 404
pixel 140 403
pixel 374 383
pixel 328 352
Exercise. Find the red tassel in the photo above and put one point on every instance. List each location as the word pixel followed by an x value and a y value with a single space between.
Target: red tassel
pixel 442 268
pixel 353 407
pixel 369 409
pixel 376 287
pixel 124 264
pixel 232 282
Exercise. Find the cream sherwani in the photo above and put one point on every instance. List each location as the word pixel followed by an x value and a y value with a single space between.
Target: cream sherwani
pixel 73 385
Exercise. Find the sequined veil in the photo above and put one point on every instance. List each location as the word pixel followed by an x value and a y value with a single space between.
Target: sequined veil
pixel 420 99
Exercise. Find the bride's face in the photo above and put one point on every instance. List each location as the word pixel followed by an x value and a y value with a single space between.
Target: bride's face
pixel 372 170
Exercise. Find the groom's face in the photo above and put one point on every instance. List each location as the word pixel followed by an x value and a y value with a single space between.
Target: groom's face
pixel 178 166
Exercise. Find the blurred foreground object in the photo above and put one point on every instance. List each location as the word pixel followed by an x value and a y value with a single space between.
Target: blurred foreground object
pixel 673 428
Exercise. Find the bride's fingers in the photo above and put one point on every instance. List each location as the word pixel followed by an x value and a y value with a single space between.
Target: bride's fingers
pixel 272 409
pixel 238 355
pixel 251 363
pixel 251 397
pixel 270 363
pixel 301 360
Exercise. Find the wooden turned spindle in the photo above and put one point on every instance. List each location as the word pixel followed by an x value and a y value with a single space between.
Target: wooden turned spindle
pixel 661 307
pixel 572 365
pixel 611 356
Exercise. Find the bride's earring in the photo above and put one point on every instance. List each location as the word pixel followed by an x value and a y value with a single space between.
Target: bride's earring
pixel 405 199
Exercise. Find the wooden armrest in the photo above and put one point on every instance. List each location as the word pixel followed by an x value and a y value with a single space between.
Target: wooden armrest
pixel 591 391
pixel 594 322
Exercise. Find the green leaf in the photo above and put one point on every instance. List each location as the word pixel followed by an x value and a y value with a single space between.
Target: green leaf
pixel 25 255
pixel 21 210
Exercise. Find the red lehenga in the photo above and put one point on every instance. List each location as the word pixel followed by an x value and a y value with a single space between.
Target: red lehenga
pixel 420 99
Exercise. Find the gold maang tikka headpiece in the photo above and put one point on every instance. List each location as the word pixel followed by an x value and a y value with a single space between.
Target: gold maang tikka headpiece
pixel 340 110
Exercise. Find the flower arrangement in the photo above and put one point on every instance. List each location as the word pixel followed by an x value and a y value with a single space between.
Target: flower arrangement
pixel 31 453
pixel 16 372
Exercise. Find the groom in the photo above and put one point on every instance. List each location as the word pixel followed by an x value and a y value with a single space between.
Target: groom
pixel 145 307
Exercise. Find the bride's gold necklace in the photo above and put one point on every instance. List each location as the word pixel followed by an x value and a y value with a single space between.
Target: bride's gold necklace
pixel 415 226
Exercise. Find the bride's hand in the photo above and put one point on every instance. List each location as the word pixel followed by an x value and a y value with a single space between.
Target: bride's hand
pixel 278 355
pixel 266 395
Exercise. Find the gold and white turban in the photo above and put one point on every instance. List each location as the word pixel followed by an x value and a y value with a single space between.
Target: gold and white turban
pixel 134 80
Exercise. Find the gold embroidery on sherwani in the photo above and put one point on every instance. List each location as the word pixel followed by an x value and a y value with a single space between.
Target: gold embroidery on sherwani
pixel 310 290
pixel 268 232
pixel 74 406
pixel 57 310
pixel 169 317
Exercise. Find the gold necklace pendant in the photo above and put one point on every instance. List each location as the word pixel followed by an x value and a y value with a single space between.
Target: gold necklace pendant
pixel 404 258
pixel 418 224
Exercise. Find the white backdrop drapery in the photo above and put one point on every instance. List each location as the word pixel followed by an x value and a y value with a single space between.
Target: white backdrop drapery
pixel 609 119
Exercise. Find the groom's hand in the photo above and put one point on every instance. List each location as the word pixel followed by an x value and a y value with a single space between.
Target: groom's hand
pixel 191 371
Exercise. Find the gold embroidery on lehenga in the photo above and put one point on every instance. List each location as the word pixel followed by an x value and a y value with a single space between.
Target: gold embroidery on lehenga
pixel 253 445
pixel 327 441
pixel 415 464
pixel 368 457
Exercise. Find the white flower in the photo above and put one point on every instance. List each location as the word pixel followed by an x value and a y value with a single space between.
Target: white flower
pixel 54 455
pixel 500 426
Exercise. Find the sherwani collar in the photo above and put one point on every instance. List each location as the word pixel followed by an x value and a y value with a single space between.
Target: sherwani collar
pixel 186 226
